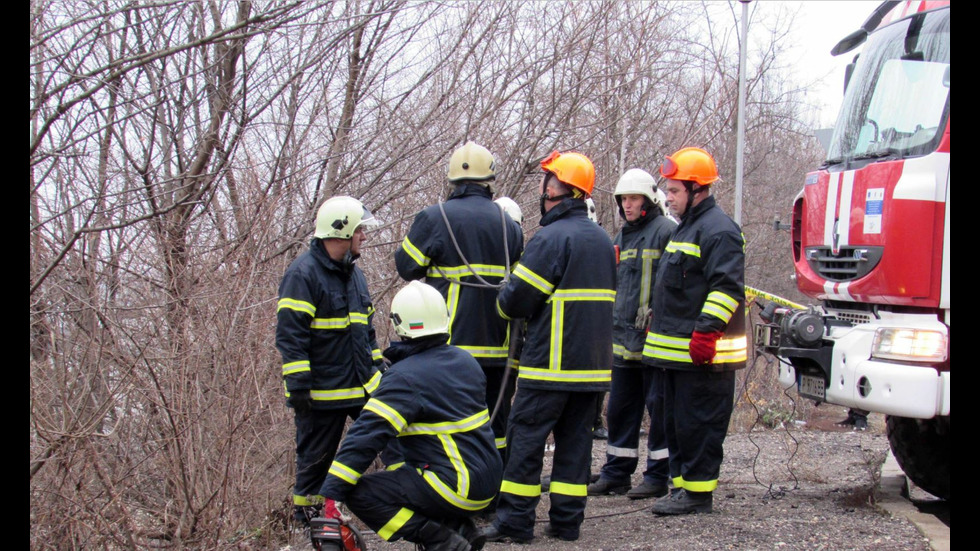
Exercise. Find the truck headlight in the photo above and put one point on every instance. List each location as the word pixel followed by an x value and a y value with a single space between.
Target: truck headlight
pixel 911 345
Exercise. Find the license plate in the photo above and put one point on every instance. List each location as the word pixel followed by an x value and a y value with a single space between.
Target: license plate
pixel 812 387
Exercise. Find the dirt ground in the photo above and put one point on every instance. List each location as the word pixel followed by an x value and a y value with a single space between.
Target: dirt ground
pixel 807 486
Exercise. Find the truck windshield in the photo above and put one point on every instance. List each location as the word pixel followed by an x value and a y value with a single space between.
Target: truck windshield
pixel 897 100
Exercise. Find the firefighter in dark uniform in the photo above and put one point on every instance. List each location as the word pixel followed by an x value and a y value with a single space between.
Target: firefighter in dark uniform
pixel 431 399
pixel 464 248
pixel 697 334
pixel 564 286
pixel 324 332
pixel 636 387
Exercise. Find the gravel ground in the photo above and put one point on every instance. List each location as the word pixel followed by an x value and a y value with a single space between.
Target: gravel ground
pixel 811 486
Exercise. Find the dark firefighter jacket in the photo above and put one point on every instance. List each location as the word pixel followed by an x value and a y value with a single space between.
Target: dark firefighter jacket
pixel 431 398
pixel 325 332
pixel 640 246
pixel 564 286
pixel 428 251
pixel 700 287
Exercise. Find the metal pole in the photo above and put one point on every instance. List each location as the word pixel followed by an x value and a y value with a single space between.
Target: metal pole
pixel 740 140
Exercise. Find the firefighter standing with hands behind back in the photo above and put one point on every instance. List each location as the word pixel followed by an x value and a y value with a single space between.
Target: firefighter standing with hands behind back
pixel 330 356
pixel 697 334
pixel 564 286
pixel 636 387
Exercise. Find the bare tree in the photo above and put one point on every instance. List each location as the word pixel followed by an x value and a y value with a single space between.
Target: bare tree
pixel 179 152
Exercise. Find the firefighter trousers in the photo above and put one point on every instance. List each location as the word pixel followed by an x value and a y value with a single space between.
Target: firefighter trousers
pixel 535 414
pixel 635 389
pixel 318 435
pixel 397 504
pixel 697 407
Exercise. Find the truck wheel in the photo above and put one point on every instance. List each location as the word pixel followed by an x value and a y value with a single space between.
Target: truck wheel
pixel 921 447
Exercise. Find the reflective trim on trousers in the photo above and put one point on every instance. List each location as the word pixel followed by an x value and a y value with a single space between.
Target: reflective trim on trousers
pixel 306 501
pixel 695 485
pixel 662 453
pixel 396 521
pixel 524 490
pixel 452 497
pixel 566 489
pixel 622 452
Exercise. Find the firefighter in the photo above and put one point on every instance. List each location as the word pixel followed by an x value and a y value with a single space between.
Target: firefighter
pixel 635 386
pixel 511 207
pixel 697 334
pixel 464 248
pixel 564 286
pixel 427 399
pixel 324 331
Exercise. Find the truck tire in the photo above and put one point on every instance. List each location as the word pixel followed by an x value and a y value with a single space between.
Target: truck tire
pixel 921 447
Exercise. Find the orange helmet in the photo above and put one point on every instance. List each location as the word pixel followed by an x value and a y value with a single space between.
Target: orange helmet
pixel 690 164
pixel 571 168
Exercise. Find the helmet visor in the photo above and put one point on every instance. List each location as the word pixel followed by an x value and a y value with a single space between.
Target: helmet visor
pixel 368 220
pixel 669 168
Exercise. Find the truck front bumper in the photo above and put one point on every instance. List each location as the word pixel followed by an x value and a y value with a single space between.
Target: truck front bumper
pixel 860 381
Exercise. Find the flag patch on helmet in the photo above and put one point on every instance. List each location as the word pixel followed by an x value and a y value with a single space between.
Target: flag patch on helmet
pixel 416 325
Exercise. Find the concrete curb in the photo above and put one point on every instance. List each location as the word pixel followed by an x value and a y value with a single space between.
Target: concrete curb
pixel 892 491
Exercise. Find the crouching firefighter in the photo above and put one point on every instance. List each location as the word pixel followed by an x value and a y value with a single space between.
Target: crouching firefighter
pixel 432 400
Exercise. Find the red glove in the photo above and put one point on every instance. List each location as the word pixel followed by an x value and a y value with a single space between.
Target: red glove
pixel 703 346
pixel 330 509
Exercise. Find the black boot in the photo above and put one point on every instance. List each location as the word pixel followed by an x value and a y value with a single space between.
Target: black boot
pixel 682 502
pixel 437 537
pixel 467 528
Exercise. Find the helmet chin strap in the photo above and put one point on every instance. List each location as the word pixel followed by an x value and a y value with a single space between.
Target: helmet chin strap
pixel 544 197
pixel 692 189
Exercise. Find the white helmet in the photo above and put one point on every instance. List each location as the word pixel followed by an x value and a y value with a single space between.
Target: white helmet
pixel 419 310
pixel 636 181
pixel 661 200
pixel 591 211
pixel 339 216
pixel 511 208
pixel 472 161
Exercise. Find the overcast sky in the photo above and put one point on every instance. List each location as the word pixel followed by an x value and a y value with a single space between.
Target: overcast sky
pixel 818 27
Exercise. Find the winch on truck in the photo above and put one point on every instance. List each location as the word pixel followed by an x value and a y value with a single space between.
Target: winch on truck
pixel 870 240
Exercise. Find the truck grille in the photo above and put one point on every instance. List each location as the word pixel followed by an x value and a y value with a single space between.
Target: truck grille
pixel 848 264
pixel 856 318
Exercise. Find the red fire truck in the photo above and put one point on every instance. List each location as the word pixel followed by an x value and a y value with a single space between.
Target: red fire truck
pixel 870 241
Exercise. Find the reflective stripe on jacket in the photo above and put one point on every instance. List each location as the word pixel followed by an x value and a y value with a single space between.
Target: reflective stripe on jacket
pixel 428 251
pixel 640 249
pixel 700 287
pixel 432 401
pixel 324 331
pixel 564 286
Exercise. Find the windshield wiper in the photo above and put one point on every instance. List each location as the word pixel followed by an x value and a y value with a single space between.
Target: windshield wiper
pixel 881 153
